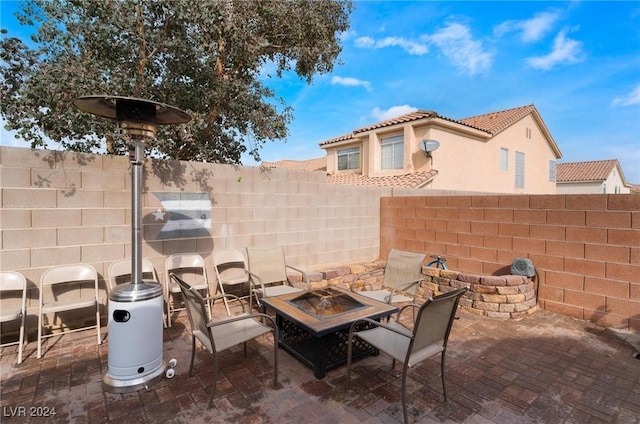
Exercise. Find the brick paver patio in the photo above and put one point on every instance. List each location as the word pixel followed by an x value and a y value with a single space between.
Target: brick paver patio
pixel 545 368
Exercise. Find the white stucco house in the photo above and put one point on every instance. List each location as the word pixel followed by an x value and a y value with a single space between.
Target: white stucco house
pixel 600 176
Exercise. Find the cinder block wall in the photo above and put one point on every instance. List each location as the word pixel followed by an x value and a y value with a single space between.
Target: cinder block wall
pixel 65 208
pixel 585 247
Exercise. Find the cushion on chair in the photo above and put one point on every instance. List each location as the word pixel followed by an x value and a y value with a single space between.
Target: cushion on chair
pixel 383 296
pixel 277 291
pixel 229 334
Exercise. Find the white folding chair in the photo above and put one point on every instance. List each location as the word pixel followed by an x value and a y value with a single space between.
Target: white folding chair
pixel 190 267
pixel 231 271
pixel 13 304
pixel 67 288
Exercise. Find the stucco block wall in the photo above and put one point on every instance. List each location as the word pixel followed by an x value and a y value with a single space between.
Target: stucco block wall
pixel 586 248
pixel 64 208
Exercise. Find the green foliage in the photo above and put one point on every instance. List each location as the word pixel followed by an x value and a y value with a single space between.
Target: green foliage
pixel 204 57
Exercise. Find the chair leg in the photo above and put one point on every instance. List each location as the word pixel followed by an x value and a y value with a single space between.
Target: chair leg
pixel 169 297
pixel 98 322
pixel 244 345
pixel 275 357
pixel 22 323
pixel 193 355
pixel 39 336
pixel 444 387
pixel 349 353
pixel 215 380
pixel 404 393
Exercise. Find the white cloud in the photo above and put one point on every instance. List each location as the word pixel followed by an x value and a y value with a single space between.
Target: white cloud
pixel 629 99
pixel 565 51
pixel 350 82
pixel 532 29
pixel 411 47
pixel 365 42
pixel 461 49
pixel 392 112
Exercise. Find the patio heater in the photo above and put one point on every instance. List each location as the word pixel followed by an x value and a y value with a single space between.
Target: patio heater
pixel 135 357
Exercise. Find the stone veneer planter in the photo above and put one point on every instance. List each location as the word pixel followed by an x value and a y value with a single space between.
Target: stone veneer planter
pixel 495 296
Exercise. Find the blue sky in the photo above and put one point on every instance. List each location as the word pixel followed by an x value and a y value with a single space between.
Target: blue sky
pixel 577 62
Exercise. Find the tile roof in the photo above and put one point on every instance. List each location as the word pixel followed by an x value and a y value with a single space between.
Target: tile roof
pixel 597 170
pixel 411 116
pixel 316 164
pixel 492 123
pixel 495 122
pixel 414 180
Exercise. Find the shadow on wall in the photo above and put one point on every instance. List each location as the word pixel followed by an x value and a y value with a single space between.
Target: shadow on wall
pixel 631 338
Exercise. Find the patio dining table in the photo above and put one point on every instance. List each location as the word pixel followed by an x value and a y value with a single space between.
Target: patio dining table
pixel 314 325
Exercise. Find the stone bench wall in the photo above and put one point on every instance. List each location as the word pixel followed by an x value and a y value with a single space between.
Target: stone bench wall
pixel 495 296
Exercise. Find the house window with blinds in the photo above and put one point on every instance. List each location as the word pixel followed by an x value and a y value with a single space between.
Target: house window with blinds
pixel 392 152
pixel 519 170
pixel 348 158
pixel 552 171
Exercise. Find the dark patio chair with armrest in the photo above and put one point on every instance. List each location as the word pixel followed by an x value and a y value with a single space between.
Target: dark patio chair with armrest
pixel 270 268
pixel 219 335
pixel 402 273
pixel 428 337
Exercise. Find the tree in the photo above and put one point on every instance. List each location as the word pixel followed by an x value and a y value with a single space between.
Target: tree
pixel 205 57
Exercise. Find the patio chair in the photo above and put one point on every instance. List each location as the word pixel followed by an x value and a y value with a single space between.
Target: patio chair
pixel 402 273
pixel 67 288
pixel 217 336
pixel 13 304
pixel 231 271
pixel 429 337
pixel 270 269
pixel 189 266
pixel 120 273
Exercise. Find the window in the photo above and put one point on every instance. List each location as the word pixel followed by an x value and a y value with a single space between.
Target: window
pixel 349 158
pixel 604 188
pixel 528 133
pixel 552 171
pixel 519 170
pixel 392 152
pixel 504 159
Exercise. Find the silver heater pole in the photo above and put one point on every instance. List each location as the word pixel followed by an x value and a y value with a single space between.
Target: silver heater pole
pixel 136 156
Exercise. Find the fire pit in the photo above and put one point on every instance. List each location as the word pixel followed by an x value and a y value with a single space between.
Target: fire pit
pixel 314 326
pixel 326 303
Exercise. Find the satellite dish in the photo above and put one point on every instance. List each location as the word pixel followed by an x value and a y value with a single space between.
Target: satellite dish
pixel 428 146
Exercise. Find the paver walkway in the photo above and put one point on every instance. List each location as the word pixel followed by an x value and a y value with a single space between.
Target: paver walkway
pixel 546 368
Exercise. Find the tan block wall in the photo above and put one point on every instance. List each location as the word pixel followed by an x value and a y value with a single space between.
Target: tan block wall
pixel 64 208
pixel 585 247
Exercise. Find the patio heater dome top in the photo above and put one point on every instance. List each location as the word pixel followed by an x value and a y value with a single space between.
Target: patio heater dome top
pixel 120 108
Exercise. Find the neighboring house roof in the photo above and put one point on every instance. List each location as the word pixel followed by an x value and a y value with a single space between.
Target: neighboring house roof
pixel 495 122
pixel 414 180
pixel 597 170
pixel 491 123
pixel 316 164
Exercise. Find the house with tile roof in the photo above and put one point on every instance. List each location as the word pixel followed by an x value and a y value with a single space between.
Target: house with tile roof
pixel 510 151
pixel 598 176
